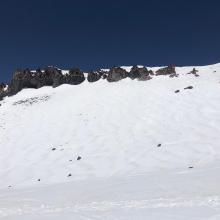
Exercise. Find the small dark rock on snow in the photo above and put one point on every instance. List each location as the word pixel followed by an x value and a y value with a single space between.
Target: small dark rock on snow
pixel 79 158
pixel 69 175
pixel 189 87
pixel 191 167
pixel 53 148
pixel 159 145
pixel 177 91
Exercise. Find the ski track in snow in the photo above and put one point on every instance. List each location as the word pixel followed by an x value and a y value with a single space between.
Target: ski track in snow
pixel 104 206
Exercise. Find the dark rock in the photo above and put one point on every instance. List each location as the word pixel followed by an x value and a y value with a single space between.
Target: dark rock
pixel 38 180
pixel 94 76
pixel 50 76
pixel 22 79
pixel 194 72
pixel 116 73
pixel 75 77
pixel 79 158
pixel 189 87
pixel 151 72
pixel 177 91
pixel 190 167
pixel 3 91
pixel 173 75
pixel 166 70
pixel 159 145
pixel 69 175
pixel 140 73
pixel 53 149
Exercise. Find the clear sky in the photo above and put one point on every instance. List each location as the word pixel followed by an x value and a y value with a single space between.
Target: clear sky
pixel 101 33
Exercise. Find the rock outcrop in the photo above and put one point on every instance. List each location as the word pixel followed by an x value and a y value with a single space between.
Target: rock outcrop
pixel 116 73
pixel 3 90
pixel 50 76
pixel 140 73
pixel 94 76
pixel 74 77
pixel 166 70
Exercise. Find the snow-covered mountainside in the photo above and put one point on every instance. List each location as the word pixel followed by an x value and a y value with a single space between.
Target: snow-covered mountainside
pixel 130 149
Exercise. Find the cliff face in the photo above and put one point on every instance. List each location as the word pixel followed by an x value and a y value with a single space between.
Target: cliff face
pixel 52 76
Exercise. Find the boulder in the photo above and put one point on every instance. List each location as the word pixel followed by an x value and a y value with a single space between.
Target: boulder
pixel 74 77
pixel 93 76
pixel 116 73
pixel 140 73
pixel 51 76
pixel 189 87
pixel 166 70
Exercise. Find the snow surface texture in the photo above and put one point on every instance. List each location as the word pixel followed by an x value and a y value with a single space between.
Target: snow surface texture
pixel 125 150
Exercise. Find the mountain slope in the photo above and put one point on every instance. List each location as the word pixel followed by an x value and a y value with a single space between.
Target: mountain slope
pixel 129 131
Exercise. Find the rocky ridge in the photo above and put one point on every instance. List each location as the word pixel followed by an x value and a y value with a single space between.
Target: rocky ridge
pixel 53 76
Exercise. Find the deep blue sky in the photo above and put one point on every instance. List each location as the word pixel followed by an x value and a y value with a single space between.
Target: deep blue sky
pixel 102 33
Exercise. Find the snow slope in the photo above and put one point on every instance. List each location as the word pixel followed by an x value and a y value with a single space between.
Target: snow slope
pixel 115 128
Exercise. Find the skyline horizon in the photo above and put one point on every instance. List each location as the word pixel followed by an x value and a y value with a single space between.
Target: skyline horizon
pixel 97 34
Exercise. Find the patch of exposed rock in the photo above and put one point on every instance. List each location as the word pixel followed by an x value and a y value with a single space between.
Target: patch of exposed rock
pixel 166 70
pixel 94 76
pixel 3 90
pixel 116 73
pixel 194 72
pixel 50 76
pixel 140 73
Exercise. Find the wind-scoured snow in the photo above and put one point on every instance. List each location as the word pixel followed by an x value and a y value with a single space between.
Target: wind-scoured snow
pixel 145 151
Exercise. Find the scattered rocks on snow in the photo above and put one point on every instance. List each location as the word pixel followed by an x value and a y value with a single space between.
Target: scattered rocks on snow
pixel 194 72
pixel 173 75
pixel 31 101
